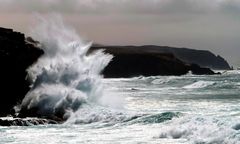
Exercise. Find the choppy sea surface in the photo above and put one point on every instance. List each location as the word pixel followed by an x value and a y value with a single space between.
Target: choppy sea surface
pixel 163 109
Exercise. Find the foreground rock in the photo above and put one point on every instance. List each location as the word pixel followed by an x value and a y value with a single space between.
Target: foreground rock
pixel 131 63
pixel 16 54
pixel 25 121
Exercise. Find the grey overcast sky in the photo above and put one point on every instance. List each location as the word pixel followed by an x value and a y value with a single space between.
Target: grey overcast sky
pixel 200 24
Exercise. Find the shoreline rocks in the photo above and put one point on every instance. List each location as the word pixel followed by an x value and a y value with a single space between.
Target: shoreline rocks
pixel 16 55
pixel 25 121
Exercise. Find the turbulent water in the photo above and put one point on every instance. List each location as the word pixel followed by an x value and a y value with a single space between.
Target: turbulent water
pixel 163 109
pixel 65 77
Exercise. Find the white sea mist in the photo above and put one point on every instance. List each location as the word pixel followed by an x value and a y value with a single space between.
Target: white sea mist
pixel 66 76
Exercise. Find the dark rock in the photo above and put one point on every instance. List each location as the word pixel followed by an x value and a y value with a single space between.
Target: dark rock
pixel 26 122
pixel 203 58
pixel 134 62
pixel 34 112
pixel 130 65
pixel 16 55
pixel 197 70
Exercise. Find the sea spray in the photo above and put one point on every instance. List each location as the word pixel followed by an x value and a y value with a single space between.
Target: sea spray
pixel 66 76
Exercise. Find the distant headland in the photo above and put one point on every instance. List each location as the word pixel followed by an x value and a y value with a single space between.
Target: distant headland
pixel 149 60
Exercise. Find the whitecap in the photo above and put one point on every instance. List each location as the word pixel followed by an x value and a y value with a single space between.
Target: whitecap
pixel 199 84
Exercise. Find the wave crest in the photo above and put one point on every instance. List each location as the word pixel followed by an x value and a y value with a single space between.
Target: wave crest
pixel 66 76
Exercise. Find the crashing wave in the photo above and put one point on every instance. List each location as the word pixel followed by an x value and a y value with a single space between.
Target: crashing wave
pixel 66 76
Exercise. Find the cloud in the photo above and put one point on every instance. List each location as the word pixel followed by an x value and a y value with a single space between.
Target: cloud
pixel 120 6
pixel 231 6
pixel 202 24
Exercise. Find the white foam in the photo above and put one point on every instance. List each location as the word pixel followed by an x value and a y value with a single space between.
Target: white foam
pixel 199 84
pixel 231 72
pixel 66 76
pixel 201 130
pixel 160 81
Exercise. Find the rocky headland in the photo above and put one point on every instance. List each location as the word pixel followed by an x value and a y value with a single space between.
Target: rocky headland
pixel 202 58
pixel 131 61
pixel 18 52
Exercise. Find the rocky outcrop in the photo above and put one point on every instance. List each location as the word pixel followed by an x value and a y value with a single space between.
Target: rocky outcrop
pixel 190 56
pixel 133 62
pixel 130 65
pixel 25 121
pixel 17 53
pixel 203 58
pixel 197 70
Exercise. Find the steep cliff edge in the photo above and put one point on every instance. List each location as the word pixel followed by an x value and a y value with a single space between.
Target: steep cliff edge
pixel 134 62
pixel 191 56
pixel 17 53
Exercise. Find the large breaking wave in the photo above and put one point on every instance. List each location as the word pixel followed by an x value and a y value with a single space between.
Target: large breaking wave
pixel 66 76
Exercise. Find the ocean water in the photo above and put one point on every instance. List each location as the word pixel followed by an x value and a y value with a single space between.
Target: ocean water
pixel 66 82
pixel 162 109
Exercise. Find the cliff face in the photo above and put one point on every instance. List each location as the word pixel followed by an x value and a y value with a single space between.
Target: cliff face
pixel 16 55
pixel 130 65
pixel 201 57
pixel 190 56
pixel 134 62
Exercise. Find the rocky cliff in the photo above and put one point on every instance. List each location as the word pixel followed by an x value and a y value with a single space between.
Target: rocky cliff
pixel 190 56
pixel 130 62
pixel 17 53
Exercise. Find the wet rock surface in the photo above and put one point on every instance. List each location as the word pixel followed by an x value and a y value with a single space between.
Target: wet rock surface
pixel 25 121
pixel 17 53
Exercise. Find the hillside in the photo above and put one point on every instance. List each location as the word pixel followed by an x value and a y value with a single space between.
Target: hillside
pixel 191 56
